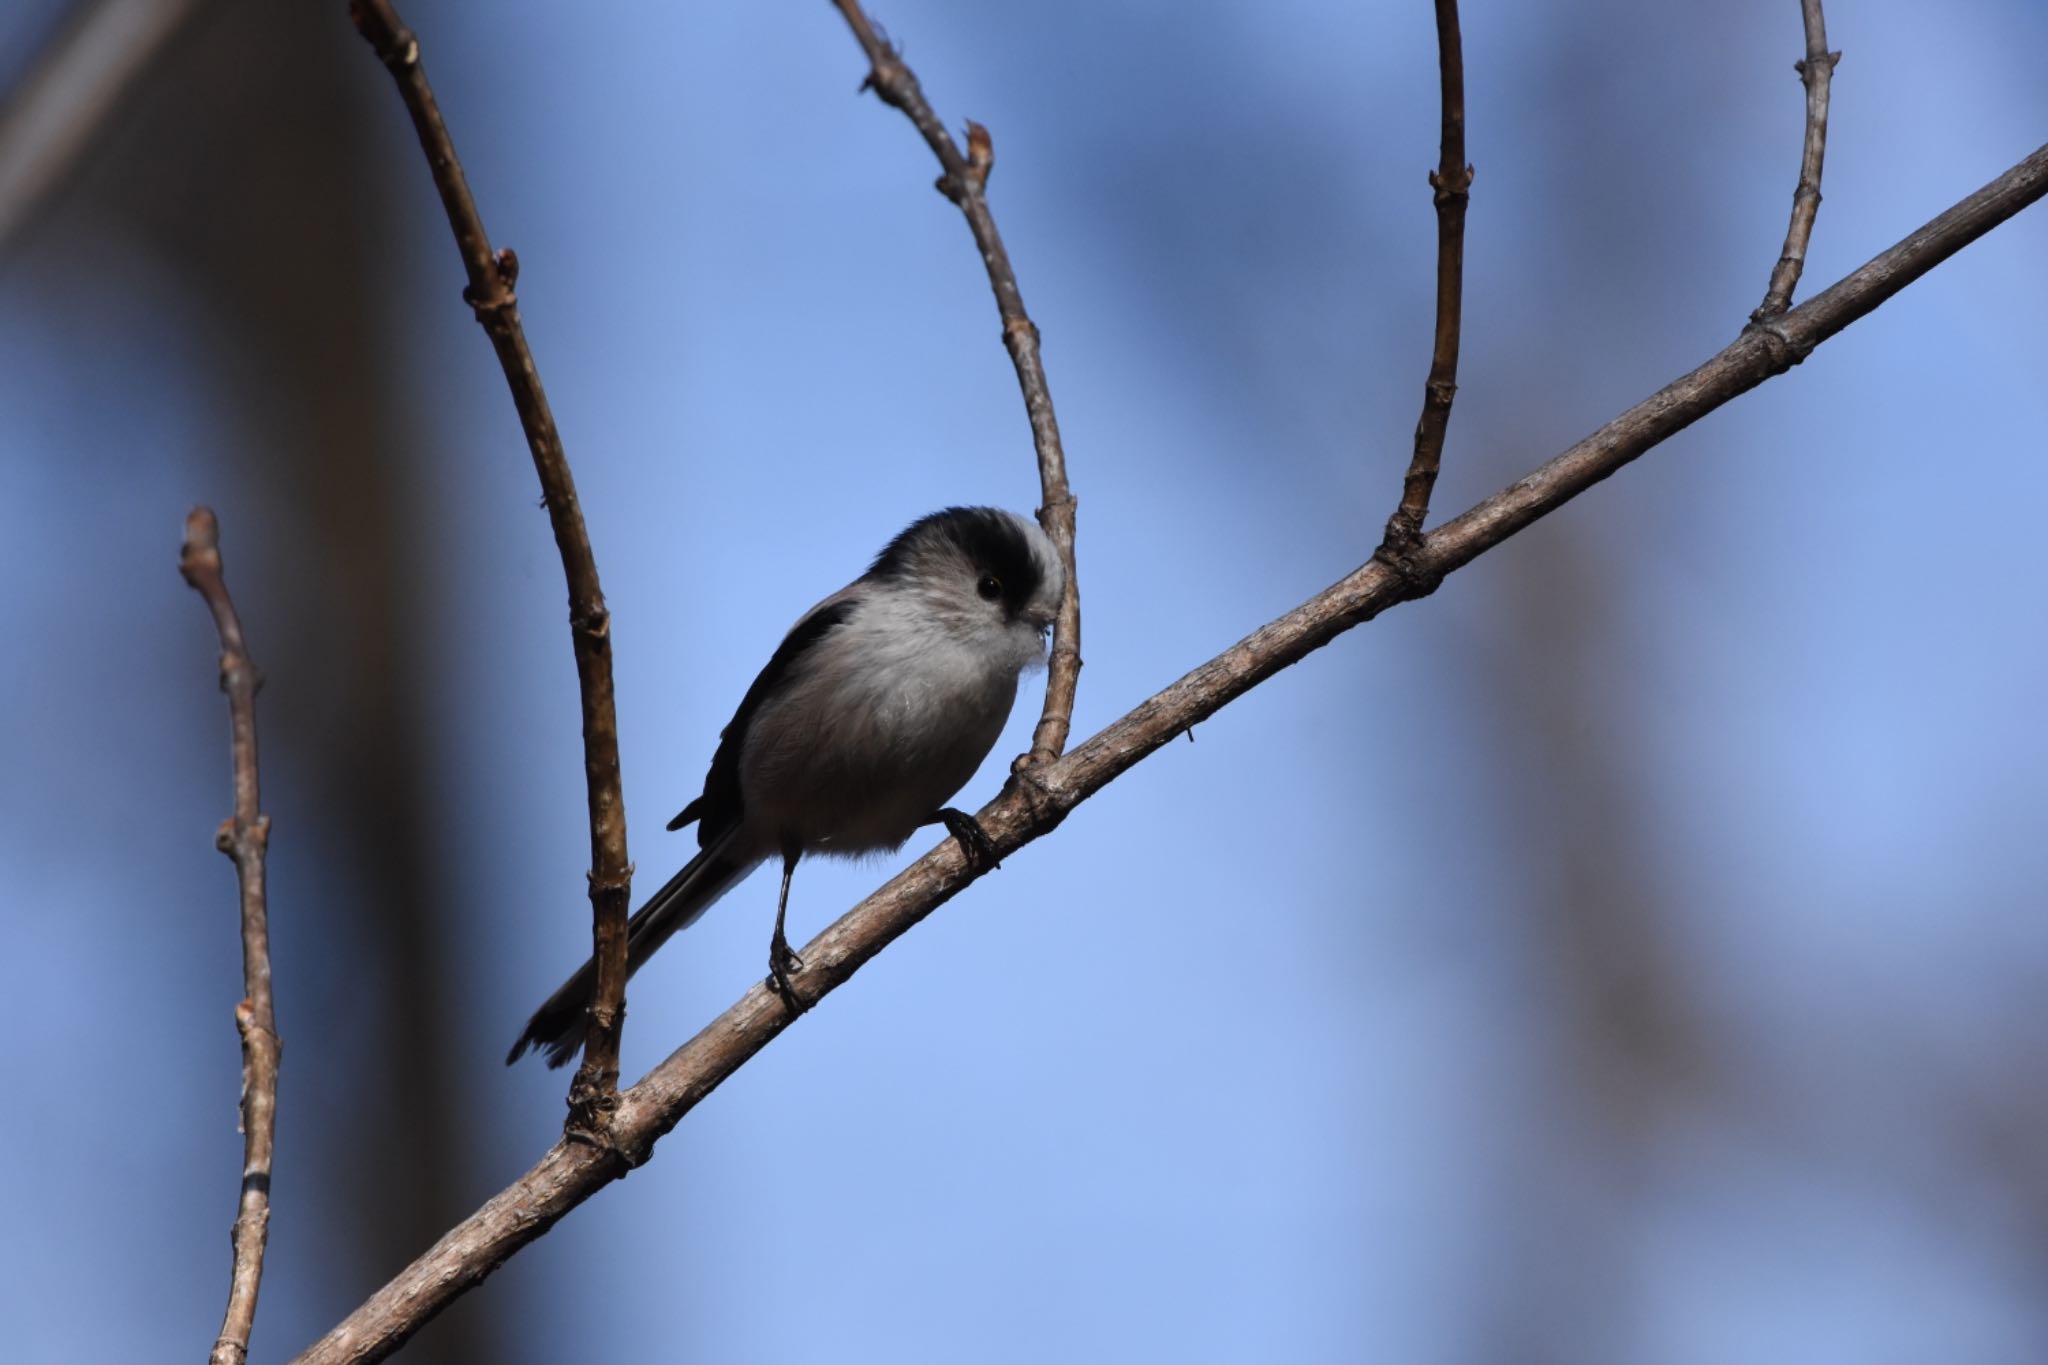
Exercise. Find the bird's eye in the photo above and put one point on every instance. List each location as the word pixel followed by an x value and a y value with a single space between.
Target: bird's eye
pixel 990 587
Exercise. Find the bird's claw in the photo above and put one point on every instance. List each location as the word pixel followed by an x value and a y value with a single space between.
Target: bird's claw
pixel 782 960
pixel 975 845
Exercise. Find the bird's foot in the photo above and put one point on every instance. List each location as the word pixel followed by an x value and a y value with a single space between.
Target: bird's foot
pixel 975 845
pixel 782 960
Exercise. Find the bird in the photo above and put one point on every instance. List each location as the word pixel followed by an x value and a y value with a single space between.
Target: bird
pixel 875 710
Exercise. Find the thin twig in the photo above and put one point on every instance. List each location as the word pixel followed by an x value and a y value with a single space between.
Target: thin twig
pixel 244 837
pixel 567 1174
pixel 964 180
pixel 1815 70
pixel 593 1094
pixel 1450 184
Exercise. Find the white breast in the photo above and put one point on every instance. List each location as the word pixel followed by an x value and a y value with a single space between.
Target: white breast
pixel 881 724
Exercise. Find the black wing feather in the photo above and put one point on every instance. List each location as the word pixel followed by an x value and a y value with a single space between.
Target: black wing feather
pixel 719 809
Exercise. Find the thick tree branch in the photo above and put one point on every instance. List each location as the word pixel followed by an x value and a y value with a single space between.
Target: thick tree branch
pixel 593 1094
pixel 1041 797
pixel 1816 70
pixel 1451 183
pixel 964 180
pixel 244 837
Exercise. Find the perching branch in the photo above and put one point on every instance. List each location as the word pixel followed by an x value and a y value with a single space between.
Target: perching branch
pixel 1815 70
pixel 964 180
pixel 593 1094
pixel 244 837
pixel 1451 183
pixel 1043 795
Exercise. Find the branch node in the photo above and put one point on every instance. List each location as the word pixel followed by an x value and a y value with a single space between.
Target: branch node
pixel 391 40
pixel 492 304
pixel 1401 552
pixel 1785 350
pixel 1449 189
pixel 887 76
pixel 610 886
pixel 981 156
pixel 590 1118
pixel 594 1093
pixel 1026 780
pixel 1045 806
pixel 592 619
pixel 1834 59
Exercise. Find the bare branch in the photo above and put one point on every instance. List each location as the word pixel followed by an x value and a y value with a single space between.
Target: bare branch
pixel 244 837
pixel 1035 803
pixel 964 180
pixel 593 1094
pixel 1451 183
pixel 1815 70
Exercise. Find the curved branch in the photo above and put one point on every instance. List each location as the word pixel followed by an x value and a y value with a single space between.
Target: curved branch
pixel 1451 184
pixel 1040 798
pixel 1815 70
pixel 244 837
pixel 593 1094
pixel 964 180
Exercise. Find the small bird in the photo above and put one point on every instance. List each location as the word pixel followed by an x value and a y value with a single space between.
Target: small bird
pixel 876 708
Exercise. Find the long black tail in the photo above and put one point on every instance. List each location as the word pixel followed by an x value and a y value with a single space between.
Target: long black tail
pixel 557 1027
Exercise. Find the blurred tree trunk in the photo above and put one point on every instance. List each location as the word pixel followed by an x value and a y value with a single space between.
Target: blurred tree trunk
pixel 241 163
pixel 1624 1049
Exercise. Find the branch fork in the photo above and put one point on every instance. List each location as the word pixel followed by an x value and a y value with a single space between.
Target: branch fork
pixel 1816 72
pixel 1450 186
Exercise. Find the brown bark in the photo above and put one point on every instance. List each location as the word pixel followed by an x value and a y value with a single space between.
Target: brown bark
pixel 593 1093
pixel 245 838
pixel 1450 184
pixel 1816 72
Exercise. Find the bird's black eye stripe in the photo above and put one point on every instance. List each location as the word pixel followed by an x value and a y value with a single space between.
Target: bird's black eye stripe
pixel 990 586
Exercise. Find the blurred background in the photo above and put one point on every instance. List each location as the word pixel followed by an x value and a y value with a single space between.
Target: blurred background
pixel 1634 952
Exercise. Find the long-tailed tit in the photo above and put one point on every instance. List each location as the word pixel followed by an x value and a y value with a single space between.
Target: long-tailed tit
pixel 876 708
